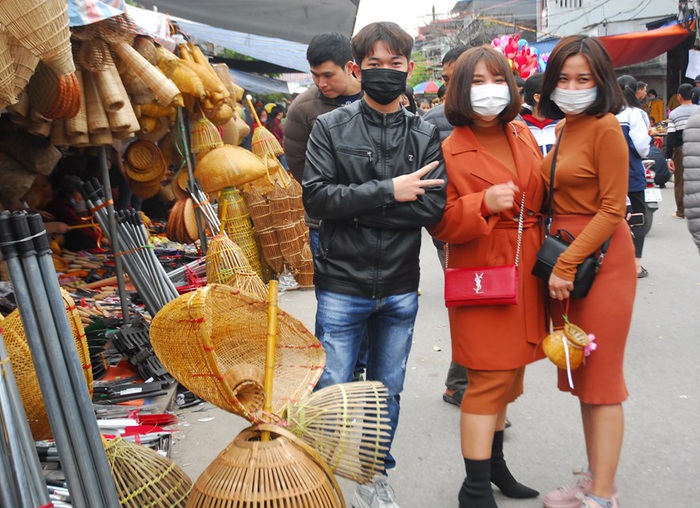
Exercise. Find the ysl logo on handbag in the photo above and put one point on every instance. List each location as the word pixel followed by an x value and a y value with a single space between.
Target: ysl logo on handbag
pixel 477 283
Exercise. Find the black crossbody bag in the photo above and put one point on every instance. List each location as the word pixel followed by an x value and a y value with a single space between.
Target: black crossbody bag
pixel 554 245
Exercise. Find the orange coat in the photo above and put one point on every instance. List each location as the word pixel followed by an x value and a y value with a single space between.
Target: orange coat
pixel 498 337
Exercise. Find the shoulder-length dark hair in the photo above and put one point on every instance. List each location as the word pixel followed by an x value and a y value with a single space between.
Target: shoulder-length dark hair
pixel 458 105
pixel 609 98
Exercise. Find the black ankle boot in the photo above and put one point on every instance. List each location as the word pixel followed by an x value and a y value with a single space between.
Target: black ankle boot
pixel 500 475
pixel 476 490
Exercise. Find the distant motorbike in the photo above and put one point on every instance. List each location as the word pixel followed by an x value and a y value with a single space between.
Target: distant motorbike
pixel 652 194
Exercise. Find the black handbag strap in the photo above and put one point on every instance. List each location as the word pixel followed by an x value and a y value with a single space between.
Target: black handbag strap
pixel 550 211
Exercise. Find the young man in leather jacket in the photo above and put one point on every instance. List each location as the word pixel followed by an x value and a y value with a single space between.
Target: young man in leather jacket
pixel 375 176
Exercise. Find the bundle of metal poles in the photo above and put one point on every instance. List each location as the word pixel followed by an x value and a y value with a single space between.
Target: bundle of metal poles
pixel 25 249
pixel 24 485
pixel 141 263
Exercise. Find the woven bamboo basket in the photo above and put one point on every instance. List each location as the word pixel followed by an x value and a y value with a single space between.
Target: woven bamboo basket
pixel 144 477
pixel 296 202
pixel 272 251
pixel 190 218
pixel 305 274
pixel 227 264
pixel 78 124
pixel 25 63
pixel 39 125
pixel 42 27
pixel 94 55
pixel 570 340
pixel 348 425
pixel 259 209
pixel 235 221
pixel 164 89
pixel 279 205
pixel 117 29
pixel 251 473
pixel 205 137
pixel 263 142
pixel 228 166
pixel 145 161
pixel 58 135
pixel 101 138
pixel 146 48
pixel 175 229
pixel 7 71
pixel 144 190
pixel 23 366
pixel 96 115
pixel 134 85
pixel 201 336
pixel 112 91
pixel 221 114
pixel 52 95
pixel 292 243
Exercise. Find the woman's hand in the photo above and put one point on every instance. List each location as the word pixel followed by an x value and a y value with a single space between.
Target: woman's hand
pixel 500 197
pixel 559 288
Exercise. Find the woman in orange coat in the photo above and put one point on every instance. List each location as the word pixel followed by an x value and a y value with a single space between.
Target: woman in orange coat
pixel 491 161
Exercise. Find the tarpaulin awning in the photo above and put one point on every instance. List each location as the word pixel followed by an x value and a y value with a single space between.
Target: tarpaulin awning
pixel 292 20
pixel 291 55
pixel 637 47
pixel 258 84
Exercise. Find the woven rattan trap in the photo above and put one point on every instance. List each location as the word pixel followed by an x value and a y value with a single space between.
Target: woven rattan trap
pixel 251 473
pixel 213 341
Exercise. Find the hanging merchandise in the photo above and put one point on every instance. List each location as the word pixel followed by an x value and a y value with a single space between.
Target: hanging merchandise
pixel 236 223
pixel 227 264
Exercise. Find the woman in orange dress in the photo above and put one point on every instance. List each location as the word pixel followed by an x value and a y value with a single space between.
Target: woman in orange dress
pixel 590 190
pixel 491 161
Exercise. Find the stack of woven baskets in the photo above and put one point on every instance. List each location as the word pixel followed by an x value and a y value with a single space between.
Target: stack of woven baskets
pixel 31 32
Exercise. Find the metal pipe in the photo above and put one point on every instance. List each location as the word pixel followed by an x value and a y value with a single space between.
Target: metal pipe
pixel 71 360
pixel 184 130
pixel 30 460
pixel 114 242
pixel 49 390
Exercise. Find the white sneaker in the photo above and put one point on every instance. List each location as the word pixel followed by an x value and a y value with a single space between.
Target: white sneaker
pixel 377 494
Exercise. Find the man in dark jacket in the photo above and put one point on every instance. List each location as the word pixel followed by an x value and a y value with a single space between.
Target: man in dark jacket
pixel 374 175
pixel 330 59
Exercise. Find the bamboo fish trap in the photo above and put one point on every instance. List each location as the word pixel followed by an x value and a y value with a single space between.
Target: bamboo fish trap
pixel 263 142
pixel 252 473
pixel 235 221
pixel 23 365
pixel 227 264
pixel 42 27
pixel 213 341
pixel 348 425
pixel 144 477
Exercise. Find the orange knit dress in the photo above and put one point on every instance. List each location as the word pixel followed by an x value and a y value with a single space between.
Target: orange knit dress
pixel 590 190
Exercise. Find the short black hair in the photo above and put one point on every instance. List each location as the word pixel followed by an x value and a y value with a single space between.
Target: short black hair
pixel 519 82
pixel 641 85
pixel 453 54
pixel 609 98
pixel 441 91
pixel 331 46
pixel 391 34
pixel 652 92
pixel 533 85
pixel 685 91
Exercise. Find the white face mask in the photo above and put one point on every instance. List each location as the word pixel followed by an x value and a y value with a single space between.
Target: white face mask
pixel 489 100
pixel 574 102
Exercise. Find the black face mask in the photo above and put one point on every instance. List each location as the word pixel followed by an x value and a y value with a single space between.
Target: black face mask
pixel 384 85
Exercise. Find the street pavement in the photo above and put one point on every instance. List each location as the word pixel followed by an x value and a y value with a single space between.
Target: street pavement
pixel 660 464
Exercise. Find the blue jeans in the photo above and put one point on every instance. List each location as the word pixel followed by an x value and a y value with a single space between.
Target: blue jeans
pixel 313 241
pixel 341 323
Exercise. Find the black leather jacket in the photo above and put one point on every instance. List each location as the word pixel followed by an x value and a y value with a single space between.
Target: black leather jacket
pixel 369 243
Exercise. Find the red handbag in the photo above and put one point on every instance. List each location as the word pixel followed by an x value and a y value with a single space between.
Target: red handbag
pixel 486 285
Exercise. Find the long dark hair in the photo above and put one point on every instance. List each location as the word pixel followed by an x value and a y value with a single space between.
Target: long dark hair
pixel 628 85
pixel 609 98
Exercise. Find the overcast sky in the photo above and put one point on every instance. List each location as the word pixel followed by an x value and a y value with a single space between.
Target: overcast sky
pixel 408 14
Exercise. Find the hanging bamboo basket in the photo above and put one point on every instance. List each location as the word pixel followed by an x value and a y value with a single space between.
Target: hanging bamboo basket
pixel 252 473
pixel 206 337
pixel 228 166
pixel 42 27
pixel 7 71
pixel 235 221
pixel 25 63
pixel 227 264
pixel 205 137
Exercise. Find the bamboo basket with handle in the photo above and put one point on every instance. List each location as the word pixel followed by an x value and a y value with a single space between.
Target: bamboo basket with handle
pixel 42 27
